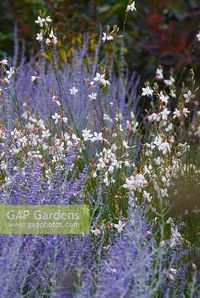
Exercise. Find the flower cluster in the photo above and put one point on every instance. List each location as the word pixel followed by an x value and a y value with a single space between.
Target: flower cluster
pixel 65 138
pixel 46 33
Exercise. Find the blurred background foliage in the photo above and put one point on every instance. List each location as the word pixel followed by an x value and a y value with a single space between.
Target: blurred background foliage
pixel 161 32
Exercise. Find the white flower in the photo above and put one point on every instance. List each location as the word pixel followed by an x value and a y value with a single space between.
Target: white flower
pixel 176 113
pixel 105 82
pixel 34 78
pixel 99 77
pixel 92 96
pixel 172 93
pixel 97 137
pixel 48 41
pixel 169 127
pixel 165 114
pixel 120 226
pixel 4 62
pixel 96 231
pixel 147 196
pixel 87 135
pixel 188 96
pixel 39 36
pixel 135 182
pixel 92 84
pixel 48 19
pixel 170 81
pixel 154 117
pixel 198 36
pixel 53 37
pixel 194 267
pixel 172 270
pixel 107 37
pixel 147 91
pixel 162 146
pixel 125 144
pixel 158 160
pixel 40 21
pixel 163 98
pixel 106 181
pixel 46 133
pixel 104 37
pixel 73 91
pixel 10 72
pixel 56 117
pixel 65 120
pixel 170 274
pixel 163 192
pixel 185 112
pixel 131 7
pixel 176 237
pixel 159 74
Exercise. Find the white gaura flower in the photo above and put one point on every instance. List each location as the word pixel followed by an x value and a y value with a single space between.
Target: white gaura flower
pixel 165 114
pixel 39 36
pixel 147 196
pixel 48 41
pixel 147 91
pixel 46 133
pixel 164 98
pixel 162 146
pixel 176 237
pixel 10 72
pixel 185 112
pixel 135 182
pixel 169 82
pixel 97 137
pixel 87 135
pixel 158 160
pixel 188 96
pixel 56 117
pixel 131 7
pixel 34 78
pixel 120 226
pixel 73 91
pixel 4 62
pixel 53 37
pixel 92 84
pixel 104 37
pixel 105 82
pixel 65 120
pixel 40 21
pixel 172 93
pixel 159 74
pixel 164 192
pixel 176 113
pixel 107 37
pixel 96 231
pixel 100 78
pixel 48 19
pixel 154 117
pixel 92 96
pixel 125 144
pixel 198 36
